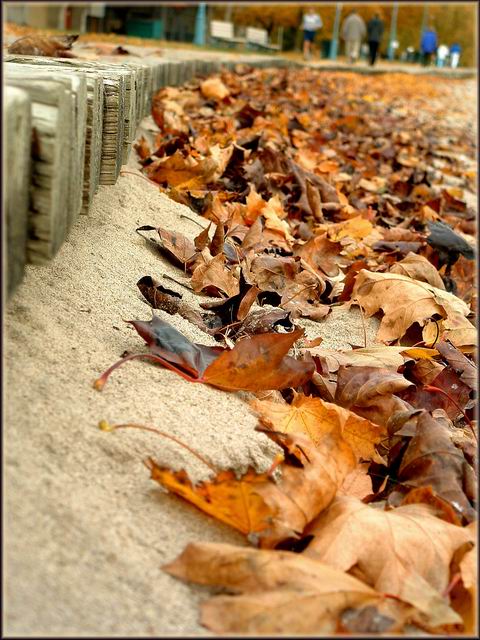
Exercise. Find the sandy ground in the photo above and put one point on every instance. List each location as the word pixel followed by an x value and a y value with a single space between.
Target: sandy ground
pixel 86 530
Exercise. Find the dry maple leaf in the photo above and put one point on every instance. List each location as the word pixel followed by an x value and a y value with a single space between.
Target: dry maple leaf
pixel 317 418
pixel 260 363
pixel 256 363
pixel 214 88
pixel 356 228
pixel 266 511
pixel 212 277
pixel 432 460
pixel 370 392
pixel 386 357
pixel 142 148
pixel 405 552
pixel 321 254
pixel 404 301
pixel 463 335
pixel 418 268
pixel 460 364
pixel 175 245
pixel 182 173
pixel 280 592
pixel 50 46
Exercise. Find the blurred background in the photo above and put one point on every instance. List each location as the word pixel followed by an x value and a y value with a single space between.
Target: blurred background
pixel 190 22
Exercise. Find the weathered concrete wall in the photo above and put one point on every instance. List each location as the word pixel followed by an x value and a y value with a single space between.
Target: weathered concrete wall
pixel 16 152
pixel 83 116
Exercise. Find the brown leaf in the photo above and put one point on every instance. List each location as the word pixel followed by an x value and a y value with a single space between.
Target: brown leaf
pixel 175 245
pixel 404 301
pixel 280 592
pixel 182 173
pixel 159 297
pixel 317 419
pixel 358 483
pixel 260 363
pixel 314 201
pixel 454 398
pixel 203 239
pixel 321 254
pixel 460 364
pixel 214 279
pixel 50 46
pixel 382 356
pixel 405 552
pixel 214 88
pixel 418 268
pixel 142 148
pixel 273 274
pixel 432 460
pixel 269 512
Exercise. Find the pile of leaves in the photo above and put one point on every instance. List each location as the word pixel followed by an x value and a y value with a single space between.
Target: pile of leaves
pixel 320 189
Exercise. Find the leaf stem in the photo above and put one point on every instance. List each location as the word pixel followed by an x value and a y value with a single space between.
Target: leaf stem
pixel 429 387
pixel 139 175
pixel 101 381
pixel 131 425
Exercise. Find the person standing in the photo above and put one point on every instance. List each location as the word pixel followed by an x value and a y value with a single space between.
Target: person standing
pixel 312 23
pixel 442 53
pixel 455 51
pixel 353 32
pixel 375 29
pixel 428 45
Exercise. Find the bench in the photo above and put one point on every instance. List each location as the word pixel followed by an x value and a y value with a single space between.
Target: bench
pixel 224 31
pixel 259 39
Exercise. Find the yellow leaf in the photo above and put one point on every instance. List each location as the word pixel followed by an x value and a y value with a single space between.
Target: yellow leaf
pixel 317 419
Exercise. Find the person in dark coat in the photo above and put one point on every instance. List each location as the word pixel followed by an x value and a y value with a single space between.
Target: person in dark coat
pixel 375 28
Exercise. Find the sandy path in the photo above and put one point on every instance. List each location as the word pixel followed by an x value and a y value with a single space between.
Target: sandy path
pixel 86 530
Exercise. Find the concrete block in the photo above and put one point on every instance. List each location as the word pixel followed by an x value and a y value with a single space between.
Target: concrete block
pixel 112 130
pixel 51 115
pixel 77 84
pixel 94 122
pixel 17 140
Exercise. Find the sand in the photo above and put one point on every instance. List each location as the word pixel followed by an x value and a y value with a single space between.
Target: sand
pixel 86 530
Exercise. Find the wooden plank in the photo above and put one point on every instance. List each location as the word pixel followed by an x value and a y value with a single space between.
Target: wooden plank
pixel 17 129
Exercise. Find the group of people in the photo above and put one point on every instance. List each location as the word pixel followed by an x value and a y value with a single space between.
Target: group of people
pixel 354 31
pixel 430 48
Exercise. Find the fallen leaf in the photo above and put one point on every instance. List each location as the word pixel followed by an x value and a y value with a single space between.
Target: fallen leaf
pixel 214 88
pixel 175 245
pixel 461 365
pixel 214 279
pixel 321 254
pixel 371 392
pixel 266 511
pixel 182 173
pixel 256 363
pixel 432 460
pixel 142 148
pixel 386 357
pixel 57 46
pixel 405 552
pixel 281 592
pixel 418 268
pixel 404 301
pixel 260 363
pixel 317 418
